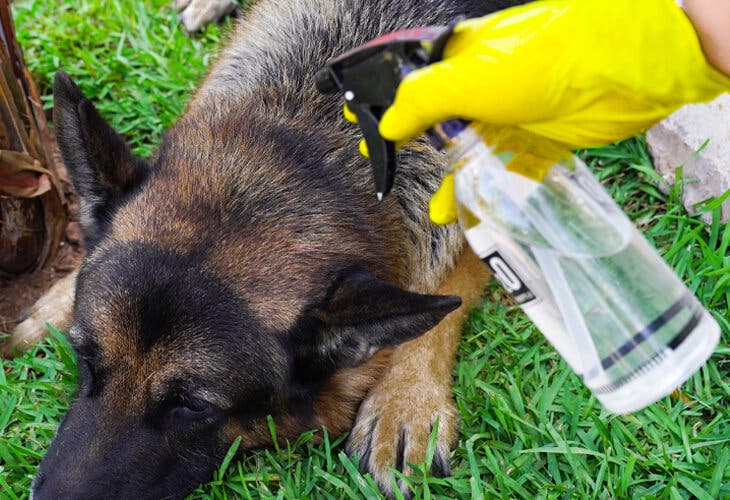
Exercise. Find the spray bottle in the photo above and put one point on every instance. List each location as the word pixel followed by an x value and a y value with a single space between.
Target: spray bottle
pixel 548 231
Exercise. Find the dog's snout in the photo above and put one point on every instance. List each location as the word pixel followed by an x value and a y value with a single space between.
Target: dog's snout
pixel 36 485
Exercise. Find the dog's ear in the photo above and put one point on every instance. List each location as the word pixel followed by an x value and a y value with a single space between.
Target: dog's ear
pixel 101 166
pixel 361 315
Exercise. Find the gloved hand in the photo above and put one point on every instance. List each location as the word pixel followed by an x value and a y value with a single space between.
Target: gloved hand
pixel 582 72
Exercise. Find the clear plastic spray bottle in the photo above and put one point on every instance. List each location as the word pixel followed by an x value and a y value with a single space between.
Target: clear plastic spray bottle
pixel 577 266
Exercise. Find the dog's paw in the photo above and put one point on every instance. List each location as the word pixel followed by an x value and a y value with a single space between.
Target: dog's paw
pixel 54 307
pixel 196 14
pixel 393 428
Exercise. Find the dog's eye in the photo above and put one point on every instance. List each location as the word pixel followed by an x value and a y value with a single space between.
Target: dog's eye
pixel 191 410
pixel 86 377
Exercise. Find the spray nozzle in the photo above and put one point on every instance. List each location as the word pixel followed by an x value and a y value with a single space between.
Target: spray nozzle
pixel 369 76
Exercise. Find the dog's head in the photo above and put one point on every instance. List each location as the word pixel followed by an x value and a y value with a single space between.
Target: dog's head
pixel 204 305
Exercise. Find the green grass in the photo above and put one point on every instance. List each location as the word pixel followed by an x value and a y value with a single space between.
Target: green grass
pixel 530 428
pixel 130 58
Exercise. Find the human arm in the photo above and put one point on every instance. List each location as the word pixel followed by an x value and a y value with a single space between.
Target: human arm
pixel 711 19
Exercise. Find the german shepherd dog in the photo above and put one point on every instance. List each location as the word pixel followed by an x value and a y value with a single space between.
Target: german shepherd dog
pixel 248 269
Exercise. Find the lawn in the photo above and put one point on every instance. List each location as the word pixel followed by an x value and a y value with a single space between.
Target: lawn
pixel 529 428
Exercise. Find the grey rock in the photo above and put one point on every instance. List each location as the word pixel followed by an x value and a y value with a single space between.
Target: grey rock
pixel 675 141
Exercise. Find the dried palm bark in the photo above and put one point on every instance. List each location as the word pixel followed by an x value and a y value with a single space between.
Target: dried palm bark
pixel 33 211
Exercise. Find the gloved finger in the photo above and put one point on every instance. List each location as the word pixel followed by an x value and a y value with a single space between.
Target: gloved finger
pixel 349 115
pixel 442 206
pixel 425 97
pixel 362 146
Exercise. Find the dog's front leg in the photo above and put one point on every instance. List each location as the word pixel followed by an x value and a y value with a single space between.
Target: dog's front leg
pixel 54 308
pixel 394 423
pixel 197 14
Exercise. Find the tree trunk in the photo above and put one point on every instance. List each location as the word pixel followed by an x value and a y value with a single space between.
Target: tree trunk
pixel 33 211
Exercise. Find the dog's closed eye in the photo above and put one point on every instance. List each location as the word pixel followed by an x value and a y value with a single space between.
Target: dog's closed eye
pixel 194 409
pixel 86 377
pixel 183 411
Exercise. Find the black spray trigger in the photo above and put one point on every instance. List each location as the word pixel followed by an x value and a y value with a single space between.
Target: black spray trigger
pixel 439 43
pixel 369 77
pixel 380 151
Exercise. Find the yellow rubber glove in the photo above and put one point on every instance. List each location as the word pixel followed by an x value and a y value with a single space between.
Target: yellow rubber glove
pixel 582 72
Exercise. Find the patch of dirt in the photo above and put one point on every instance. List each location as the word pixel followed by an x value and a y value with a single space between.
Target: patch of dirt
pixel 20 292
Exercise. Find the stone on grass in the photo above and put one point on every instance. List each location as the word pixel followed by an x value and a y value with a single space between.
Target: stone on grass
pixel 675 141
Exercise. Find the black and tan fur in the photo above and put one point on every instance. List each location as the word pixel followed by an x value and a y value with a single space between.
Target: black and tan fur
pixel 247 269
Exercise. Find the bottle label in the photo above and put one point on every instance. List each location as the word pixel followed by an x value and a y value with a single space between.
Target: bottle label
pixel 509 279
